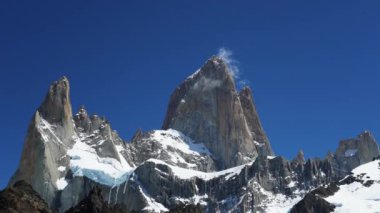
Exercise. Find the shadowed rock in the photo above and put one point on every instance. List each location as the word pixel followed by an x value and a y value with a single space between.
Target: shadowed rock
pixel 312 204
pixel 22 198
pixel 356 151
pixel 95 203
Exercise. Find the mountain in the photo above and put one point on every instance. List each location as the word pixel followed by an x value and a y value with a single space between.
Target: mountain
pixel 207 108
pixel 211 155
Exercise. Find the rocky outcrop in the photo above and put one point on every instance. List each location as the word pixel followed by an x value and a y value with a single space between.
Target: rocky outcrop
pixel 355 151
pixel 96 131
pixel 207 108
pixel 95 203
pixel 312 204
pixel 22 198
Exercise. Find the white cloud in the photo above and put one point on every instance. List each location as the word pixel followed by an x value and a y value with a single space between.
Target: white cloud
pixel 243 83
pixel 233 67
pixel 231 63
pixel 207 84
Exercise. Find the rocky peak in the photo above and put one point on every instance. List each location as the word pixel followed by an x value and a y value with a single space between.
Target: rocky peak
pixel 82 120
pixel 356 151
pixel 215 67
pixel 137 136
pixel 206 107
pixel 49 135
pixel 253 119
pixel 300 158
pixel 56 108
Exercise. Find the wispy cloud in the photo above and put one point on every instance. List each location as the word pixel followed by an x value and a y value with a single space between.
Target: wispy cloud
pixel 232 64
pixel 233 67
pixel 243 83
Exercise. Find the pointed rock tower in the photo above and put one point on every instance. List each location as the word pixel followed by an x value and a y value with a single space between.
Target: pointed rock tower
pixel 208 108
pixel 253 120
pixel 49 136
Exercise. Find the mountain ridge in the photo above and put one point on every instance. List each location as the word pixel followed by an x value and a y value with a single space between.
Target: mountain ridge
pixel 211 153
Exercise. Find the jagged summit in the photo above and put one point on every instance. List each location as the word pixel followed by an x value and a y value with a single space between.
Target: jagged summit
pixel 253 120
pixel 208 108
pixel 57 106
pixel 48 138
pixel 299 159
pixel 355 151
pixel 215 68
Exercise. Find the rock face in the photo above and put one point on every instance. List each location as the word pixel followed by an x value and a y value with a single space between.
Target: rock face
pixel 22 198
pixel 312 204
pixel 48 138
pixel 207 108
pixel 253 119
pixel 95 203
pixel 356 151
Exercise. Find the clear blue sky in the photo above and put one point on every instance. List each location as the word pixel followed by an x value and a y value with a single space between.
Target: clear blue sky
pixel 314 66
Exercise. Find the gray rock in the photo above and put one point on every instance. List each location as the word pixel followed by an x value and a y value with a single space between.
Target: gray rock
pixel 355 151
pixel 206 107
pixel 253 119
pixel 49 136
pixel 145 146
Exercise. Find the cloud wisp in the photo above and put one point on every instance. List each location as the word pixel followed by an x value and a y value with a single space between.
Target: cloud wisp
pixel 232 64
pixel 233 67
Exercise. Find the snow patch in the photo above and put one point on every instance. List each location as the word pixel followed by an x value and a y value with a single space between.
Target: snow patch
pixel 350 152
pixel 84 161
pixel 61 183
pixel 194 74
pixel 152 204
pixel 47 133
pixel 356 197
pixel 188 173
pixel 278 203
pixel 179 141
pixel 258 144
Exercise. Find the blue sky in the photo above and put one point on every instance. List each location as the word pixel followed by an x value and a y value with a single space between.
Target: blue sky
pixel 313 65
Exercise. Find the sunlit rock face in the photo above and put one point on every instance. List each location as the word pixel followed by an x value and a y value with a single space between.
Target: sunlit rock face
pixel 253 120
pixel 208 108
pixel 48 138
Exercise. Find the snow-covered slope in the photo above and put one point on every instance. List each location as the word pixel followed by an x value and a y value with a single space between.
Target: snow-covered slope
pixel 109 171
pixel 174 148
pixel 363 193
